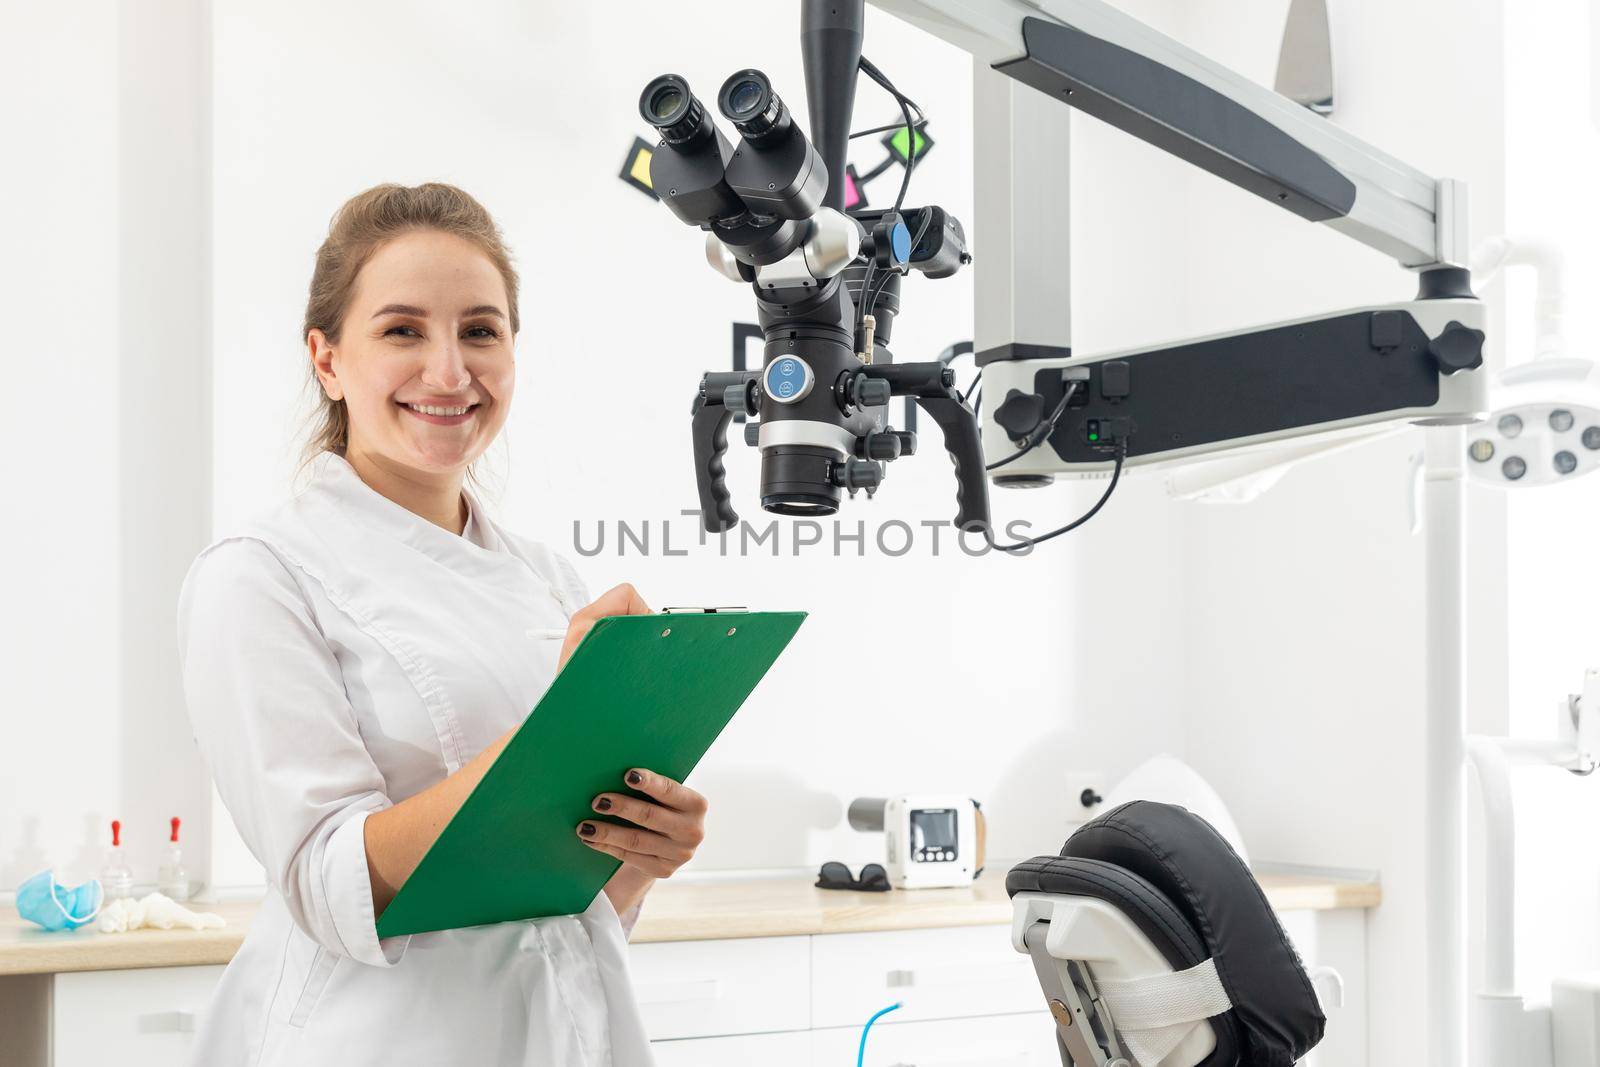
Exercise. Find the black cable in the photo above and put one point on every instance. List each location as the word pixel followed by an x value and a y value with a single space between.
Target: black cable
pixel 954 352
pixel 921 122
pixel 1042 432
pixel 867 67
pixel 973 387
pixel 863 179
pixel 1030 542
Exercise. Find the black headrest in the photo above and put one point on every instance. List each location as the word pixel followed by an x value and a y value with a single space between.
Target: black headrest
pixel 1156 917
pixel 1187 875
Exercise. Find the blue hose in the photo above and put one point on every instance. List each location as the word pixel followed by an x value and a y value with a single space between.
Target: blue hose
pixel 861 1053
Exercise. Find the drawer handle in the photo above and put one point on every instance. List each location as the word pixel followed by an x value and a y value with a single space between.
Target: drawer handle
pixel 169 1022
pixel 678 992
pixel 929 977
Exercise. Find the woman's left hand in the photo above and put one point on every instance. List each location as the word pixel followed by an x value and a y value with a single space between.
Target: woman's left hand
pixel 663 835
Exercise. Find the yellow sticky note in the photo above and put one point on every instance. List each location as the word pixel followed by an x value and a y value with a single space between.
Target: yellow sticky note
pixel 640 171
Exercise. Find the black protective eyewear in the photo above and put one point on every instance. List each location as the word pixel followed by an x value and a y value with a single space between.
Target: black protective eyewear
pixel 835 875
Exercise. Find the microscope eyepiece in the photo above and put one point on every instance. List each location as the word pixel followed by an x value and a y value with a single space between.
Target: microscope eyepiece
pixel 669 106
pixel 747 101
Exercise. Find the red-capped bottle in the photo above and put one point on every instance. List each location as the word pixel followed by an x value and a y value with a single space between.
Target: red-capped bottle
pixel 116 879
pixel 173 878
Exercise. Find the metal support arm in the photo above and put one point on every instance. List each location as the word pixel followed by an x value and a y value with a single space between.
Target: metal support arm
pixel 1091 56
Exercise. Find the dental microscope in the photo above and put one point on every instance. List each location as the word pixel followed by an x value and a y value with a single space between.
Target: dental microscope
pixel 828 286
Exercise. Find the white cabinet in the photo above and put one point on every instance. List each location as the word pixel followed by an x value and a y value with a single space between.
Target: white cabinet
pixel 137 1018
pixel 967 999
pixel 749 1050
pixel 708 988
pixel 997 1041
pixel 932 974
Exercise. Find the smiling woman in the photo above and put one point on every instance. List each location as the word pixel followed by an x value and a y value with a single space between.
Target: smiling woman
pixel 410 322
pixel 355 660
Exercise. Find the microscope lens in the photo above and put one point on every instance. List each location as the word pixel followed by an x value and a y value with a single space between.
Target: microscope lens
pixel 666 102
pixel 745 97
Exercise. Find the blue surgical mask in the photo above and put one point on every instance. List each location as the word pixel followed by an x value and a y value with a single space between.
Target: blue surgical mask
pixel 55 907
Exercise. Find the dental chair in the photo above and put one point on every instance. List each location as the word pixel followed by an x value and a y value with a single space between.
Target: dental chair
pixel 1155 947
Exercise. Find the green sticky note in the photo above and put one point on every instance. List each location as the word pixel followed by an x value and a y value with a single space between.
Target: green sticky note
pixel 898 140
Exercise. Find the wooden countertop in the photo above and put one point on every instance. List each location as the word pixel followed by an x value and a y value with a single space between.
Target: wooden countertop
pixel 674 911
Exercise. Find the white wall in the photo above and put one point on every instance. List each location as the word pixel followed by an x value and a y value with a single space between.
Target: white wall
pixel 105 281
pixel 1553 153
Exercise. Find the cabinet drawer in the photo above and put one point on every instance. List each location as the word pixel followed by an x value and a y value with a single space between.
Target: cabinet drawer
pixel 135 1018
pixel 768 1050
pixel 997 1041
pixel 706 988
pixel 933 974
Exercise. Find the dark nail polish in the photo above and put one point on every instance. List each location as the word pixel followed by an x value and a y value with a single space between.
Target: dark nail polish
pixel 634 777
pixel 586 829
pixel 603 804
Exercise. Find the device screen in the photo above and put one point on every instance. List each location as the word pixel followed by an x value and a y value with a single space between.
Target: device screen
pixel 933 833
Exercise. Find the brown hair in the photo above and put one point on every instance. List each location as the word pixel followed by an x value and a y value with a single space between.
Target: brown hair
pixel 365 223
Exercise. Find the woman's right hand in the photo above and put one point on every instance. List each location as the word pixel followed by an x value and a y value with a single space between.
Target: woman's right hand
pixel 397 837
pixel 622 600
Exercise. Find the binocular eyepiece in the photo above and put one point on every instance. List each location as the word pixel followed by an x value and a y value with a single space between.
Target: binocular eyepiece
pixel 669 106
pixel 747 101
pixel 775 174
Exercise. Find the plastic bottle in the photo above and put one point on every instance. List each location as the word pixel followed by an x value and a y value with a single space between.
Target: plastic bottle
pixel 173 878
pixel 117 877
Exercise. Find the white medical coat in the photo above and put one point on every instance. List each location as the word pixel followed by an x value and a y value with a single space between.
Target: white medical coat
pixel 340 655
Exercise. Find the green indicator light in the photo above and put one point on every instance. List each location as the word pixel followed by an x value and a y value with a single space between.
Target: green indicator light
pixel 1094 437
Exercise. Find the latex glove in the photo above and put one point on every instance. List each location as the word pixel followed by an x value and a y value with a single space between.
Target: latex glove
pixel 163 912
pixel 156 911
pixel 119 916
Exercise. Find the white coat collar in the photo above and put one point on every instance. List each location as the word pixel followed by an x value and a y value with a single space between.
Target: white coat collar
pixel 335 480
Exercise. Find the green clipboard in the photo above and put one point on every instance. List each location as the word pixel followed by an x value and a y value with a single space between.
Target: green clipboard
pixel 648 691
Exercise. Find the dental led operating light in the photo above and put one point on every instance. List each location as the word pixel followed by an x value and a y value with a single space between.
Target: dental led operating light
pixel 1544 428
pixel 828 284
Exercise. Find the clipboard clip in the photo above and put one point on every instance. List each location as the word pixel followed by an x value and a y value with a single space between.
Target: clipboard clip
pixel 727 610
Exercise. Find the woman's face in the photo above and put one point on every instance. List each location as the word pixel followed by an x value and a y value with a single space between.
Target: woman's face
pixel 424 359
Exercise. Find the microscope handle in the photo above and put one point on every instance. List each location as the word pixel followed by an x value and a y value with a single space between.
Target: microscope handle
pixel 960 427
pixel 710 443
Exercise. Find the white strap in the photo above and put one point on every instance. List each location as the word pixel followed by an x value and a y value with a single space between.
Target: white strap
pixel 1154 1014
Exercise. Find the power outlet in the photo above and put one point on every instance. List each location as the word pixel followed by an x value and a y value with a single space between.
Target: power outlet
pixel 1084 794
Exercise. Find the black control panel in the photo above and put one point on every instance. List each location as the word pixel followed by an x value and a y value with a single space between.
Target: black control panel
pixel 1227 388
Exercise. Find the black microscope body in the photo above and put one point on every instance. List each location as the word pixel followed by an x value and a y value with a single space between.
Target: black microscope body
pixel 827 285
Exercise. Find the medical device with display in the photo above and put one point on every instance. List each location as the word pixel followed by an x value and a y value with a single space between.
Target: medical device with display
pixel 930 839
